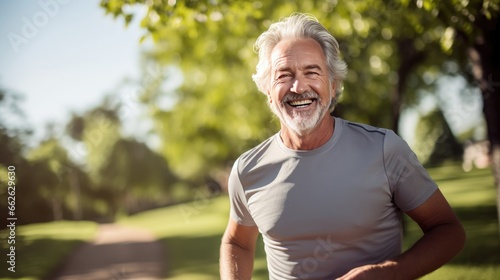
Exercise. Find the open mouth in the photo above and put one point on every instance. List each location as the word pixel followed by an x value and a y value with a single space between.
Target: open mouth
pixel 301 103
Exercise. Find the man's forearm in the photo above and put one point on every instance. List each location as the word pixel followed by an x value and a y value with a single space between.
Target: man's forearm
pixel 438 246
pixel 235 262
pixel 434 249
pixel 444 238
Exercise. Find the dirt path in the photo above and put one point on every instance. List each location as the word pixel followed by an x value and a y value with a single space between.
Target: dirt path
pixel 117 252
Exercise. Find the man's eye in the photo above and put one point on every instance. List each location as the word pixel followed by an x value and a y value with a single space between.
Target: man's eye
pixel 312 73
pixel 284 76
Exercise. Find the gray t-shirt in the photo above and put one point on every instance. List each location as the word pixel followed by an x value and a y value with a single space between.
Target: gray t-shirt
pixel 325 211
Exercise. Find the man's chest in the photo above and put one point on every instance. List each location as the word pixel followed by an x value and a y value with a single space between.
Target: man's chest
pixel 304 198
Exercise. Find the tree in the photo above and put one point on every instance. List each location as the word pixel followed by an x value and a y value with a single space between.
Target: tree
pixel 477 28
pixel 471 37
pixel 139 179
pixel 126 176
pixel 11 138
pixel 435 141
pixel 28 176
pixel 56 189
pixel 98 130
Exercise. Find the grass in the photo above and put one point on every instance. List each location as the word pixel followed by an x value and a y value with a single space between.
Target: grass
pixel 191 234
pixel 40 247
pixel 472 196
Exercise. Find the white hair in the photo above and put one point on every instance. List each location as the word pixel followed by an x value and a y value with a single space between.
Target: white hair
pixel 298 26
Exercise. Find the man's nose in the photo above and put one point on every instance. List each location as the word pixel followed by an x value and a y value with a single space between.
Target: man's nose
pixel 299 86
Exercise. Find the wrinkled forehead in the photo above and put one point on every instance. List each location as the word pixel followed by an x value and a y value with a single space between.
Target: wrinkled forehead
pixel 297 51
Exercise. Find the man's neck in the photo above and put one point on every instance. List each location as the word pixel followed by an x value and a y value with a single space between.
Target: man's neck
pixel 310 141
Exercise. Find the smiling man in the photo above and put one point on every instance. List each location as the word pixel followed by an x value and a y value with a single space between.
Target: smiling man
pixel 327 194
pixel 301 92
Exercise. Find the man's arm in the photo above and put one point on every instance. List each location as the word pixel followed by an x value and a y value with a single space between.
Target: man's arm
pixel 237 251
pixel 444 238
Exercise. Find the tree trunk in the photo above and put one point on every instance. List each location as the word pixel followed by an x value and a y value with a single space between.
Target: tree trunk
pixel 75 188
pixel 409 58
pixel 485 60
pixel 57 209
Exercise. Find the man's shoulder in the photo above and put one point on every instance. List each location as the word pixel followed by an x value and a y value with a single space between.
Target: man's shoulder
pixel 255 154
pixel 361 132
pixel 365 128
pixel 257 151
pixel 389 140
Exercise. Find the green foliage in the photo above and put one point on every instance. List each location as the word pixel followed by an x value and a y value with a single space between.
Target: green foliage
pixel 11 137
pixel 55 190
pixel 392 49
pixel 134 175
pixel 435 142
pixel 110 176
pixel 127 176
pixel 28 176
pixel 100 130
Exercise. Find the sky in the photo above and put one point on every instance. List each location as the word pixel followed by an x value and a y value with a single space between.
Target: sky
pixel 64 56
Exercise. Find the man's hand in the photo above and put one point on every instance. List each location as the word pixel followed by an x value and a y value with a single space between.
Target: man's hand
pixel 386 271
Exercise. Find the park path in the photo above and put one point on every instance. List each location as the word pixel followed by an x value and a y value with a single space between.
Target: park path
pixel 117 252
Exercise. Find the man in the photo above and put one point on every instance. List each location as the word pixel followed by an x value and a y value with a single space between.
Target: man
pixel 326 194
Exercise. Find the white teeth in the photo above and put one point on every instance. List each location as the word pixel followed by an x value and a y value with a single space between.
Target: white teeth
pixel 300 102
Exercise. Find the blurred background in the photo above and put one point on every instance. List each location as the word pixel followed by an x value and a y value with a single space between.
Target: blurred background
pixel 132 112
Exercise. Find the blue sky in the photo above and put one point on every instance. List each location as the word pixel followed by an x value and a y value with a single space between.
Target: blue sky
pixel 64 56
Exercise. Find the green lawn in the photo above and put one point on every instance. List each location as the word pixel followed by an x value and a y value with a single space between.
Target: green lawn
pixel 40 247
pixel 191 234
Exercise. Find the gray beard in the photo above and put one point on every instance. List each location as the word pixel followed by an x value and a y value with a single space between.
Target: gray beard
pixel 301 123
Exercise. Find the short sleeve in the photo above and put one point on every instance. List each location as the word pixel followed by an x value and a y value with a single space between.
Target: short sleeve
pixel 239 208
pixel 410 183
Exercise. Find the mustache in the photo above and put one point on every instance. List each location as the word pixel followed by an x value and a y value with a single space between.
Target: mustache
pixel 295 96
